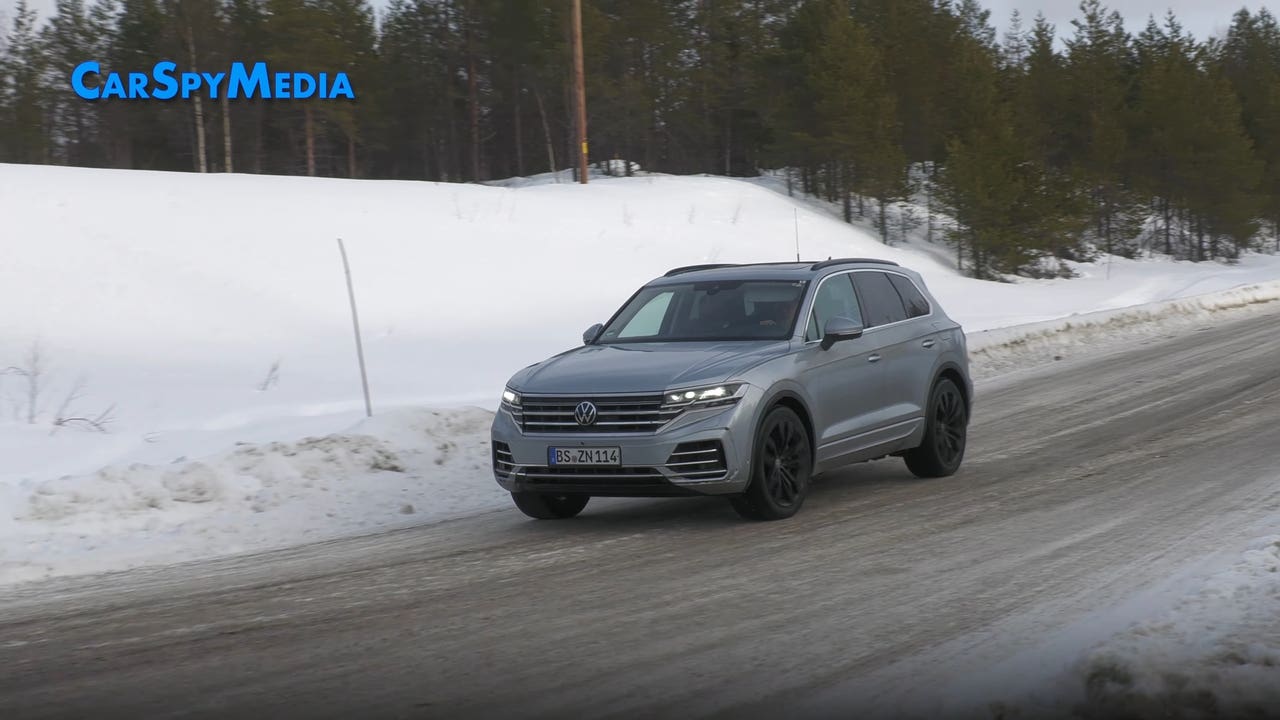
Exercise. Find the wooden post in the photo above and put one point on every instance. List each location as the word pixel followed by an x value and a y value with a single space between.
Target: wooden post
pixel 355 323
pixel 580 90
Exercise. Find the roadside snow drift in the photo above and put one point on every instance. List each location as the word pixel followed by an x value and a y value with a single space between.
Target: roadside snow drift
pixel 1215 652
pixel 390 471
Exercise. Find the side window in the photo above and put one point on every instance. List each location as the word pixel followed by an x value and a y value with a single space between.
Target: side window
pixel 915 301
pixel 648 320
pixel 835 298
pixel 884 305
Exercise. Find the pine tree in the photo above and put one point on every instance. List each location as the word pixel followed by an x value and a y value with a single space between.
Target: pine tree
pixel 1097 80
pixel 1010 210
pixel 244 125
pixel 784 72
pixel 856 113
pixel 1198 165
pixel 921 41
pixel 1249 58
pixel 68 38
pixel 144 135
pixel 349 28
pixel 25 126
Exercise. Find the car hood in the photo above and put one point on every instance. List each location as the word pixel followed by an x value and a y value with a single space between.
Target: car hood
pixel 643 367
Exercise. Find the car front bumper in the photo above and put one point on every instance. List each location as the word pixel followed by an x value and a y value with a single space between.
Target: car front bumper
pixel 650 463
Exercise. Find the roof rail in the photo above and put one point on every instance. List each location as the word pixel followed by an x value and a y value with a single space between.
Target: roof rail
pixel 695 268
pixel 848 261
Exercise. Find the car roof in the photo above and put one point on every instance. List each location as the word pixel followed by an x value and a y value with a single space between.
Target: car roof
pixel 805 270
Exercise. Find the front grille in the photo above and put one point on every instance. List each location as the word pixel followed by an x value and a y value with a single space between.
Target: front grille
pixel 698 460
pixel 503 462
pixel 614 414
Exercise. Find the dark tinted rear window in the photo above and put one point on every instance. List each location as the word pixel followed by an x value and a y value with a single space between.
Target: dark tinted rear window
pixel 881 303
pixel 912 298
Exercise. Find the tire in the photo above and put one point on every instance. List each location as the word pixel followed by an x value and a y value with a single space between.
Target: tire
pixel 545 506
pixel 781 465
pixel 945 434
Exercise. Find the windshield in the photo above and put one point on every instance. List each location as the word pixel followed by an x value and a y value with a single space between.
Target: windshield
pixel 709 311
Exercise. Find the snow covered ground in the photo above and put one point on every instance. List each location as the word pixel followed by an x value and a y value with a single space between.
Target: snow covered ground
pixel 204 320
pixel 394 470
pixel 1205 643
pixel 1202 643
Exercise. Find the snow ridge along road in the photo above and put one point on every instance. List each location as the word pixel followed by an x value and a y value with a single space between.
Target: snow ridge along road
pixel 1088 482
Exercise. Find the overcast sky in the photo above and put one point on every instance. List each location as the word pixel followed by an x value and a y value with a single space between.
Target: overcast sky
pixel 1204 19
pixel 1201 17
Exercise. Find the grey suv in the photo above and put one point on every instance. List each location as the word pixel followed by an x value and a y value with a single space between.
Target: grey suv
pixel 742 381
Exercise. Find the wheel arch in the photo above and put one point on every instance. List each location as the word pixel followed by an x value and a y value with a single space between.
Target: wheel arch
pixel 793 402
pixel 952 372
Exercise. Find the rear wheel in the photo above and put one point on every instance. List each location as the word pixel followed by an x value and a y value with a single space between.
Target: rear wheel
pixel 546 506
pixel 945 434
pixel 781 465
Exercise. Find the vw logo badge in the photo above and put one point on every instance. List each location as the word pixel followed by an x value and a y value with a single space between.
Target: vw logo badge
pixel 585 413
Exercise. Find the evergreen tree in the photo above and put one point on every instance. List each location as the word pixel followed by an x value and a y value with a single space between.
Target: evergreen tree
pixel 1096 85
pixel 27 135
pixel 1249 58
pixel 147 136
pixel 1010 210
pixel 1199 166
pixel 244 122
pixel 68 39
pixel 856 113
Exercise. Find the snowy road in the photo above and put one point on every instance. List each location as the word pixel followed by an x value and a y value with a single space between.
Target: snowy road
pixel 1087 482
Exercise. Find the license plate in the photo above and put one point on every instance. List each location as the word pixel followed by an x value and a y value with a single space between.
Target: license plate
pixel 584 456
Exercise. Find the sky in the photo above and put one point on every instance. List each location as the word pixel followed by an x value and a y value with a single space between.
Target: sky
pixel 1201 18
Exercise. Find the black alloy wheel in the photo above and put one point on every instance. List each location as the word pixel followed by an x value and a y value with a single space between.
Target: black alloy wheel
pixel 780 469
pixel 946 433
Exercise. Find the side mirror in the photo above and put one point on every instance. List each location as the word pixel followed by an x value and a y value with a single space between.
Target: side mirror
pixel 839 329
pixel 591 334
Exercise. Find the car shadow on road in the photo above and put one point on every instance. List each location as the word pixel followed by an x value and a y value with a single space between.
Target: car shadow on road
pixel 828 492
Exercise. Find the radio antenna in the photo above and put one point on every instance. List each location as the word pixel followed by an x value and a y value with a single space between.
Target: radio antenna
pixel 797 214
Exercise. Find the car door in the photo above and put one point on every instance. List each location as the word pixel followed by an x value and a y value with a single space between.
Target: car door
pixel 926 342
pixel 844 380
pixel 907 346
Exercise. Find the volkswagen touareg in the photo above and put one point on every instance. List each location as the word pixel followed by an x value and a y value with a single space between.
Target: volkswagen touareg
pixel 742 381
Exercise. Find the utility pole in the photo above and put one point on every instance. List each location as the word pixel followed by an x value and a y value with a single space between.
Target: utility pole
pixel 580 90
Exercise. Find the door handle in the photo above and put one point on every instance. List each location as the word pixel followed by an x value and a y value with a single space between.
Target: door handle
pixel 873 358
pixel 928 343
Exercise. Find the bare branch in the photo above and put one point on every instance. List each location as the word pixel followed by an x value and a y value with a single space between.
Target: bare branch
pixel 272 379
pixel 72 395
pixel 65 417
pixel 99 422
pixel 33 370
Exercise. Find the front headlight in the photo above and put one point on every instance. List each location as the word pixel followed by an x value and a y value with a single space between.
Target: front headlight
pixel 511 405
pixel 710 396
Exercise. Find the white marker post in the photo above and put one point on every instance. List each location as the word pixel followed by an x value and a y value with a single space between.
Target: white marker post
pixel 355 322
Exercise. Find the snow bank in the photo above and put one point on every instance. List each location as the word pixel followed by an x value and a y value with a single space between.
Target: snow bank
pixel 401 468
pixel 1214 653
pixel 994 351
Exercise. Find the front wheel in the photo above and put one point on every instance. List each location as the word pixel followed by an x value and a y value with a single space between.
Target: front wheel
pixel 945 434
pixel 545 506
pixel 781 464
